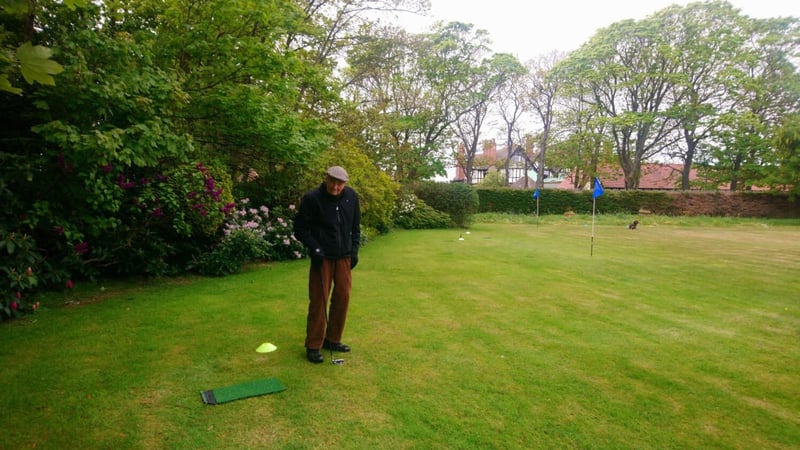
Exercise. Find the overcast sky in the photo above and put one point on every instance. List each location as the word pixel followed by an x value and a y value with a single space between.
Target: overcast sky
pixel 529 28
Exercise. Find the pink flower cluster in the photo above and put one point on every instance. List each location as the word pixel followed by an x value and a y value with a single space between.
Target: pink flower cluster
pixel 265 224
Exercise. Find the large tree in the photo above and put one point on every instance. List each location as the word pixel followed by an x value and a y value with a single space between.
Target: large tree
pixel 494 80
pixel 414 87
pixel 469 129
pixel 762 87
pixel 705 39
pixel 545 85
pixel 696 82
pixel 630 73
pixel 787 143
pixel 257 99
pixel 510 103
pixel 341 24
pixel 580 145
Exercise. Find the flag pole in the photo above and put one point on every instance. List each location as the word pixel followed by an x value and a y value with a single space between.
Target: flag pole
pixel 536 196
pixel 591 247
pixel 596 192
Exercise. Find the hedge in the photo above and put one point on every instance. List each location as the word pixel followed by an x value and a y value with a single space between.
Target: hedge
pixel 683 203
pixel 458 200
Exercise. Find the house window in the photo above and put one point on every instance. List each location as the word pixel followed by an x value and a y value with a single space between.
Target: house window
pixel 516 168
pixel 515 174
pixel 478 175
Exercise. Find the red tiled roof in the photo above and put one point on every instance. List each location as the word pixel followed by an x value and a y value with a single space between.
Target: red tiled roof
pixel 654 176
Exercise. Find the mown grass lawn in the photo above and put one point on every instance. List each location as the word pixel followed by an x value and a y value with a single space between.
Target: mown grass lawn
pixel 680 334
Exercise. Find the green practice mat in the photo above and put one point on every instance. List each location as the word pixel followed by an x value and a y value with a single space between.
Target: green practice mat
pixel 243 390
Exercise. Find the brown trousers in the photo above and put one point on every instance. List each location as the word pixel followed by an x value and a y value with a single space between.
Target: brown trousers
pixel 335 272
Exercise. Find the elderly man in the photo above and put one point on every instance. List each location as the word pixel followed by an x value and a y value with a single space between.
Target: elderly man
pixel 328 224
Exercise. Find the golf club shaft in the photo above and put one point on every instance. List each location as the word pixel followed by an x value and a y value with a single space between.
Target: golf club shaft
pixel 325 310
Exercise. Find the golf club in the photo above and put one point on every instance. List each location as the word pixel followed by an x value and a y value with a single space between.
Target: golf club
pixel 337 361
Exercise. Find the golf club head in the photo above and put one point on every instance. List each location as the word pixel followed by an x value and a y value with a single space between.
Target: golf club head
pixel 338 362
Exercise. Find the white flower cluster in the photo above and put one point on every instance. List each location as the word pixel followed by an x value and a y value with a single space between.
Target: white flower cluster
pixel 406 204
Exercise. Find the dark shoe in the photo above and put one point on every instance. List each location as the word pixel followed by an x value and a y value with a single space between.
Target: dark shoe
pixel 314 355
pixel 336 347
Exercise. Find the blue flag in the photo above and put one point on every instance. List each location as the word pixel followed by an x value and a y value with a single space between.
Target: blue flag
pixel 536 194
pixel 598 188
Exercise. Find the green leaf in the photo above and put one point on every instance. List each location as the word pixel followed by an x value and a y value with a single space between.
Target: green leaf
pixel 15 7
pixel 5 85
pixel 72 4
pixel 36 65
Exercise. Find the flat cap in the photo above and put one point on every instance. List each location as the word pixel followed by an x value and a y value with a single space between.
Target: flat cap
pixel 337 172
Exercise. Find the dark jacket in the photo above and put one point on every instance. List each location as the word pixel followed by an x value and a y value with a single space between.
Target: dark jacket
pixel 332 224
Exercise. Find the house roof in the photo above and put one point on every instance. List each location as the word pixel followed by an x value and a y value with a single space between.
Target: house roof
pixel 654 176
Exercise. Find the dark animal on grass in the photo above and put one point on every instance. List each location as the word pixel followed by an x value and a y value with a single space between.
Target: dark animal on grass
pixel 632 225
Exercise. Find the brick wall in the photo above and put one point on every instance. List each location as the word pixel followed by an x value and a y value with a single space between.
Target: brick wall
pixel 734 205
